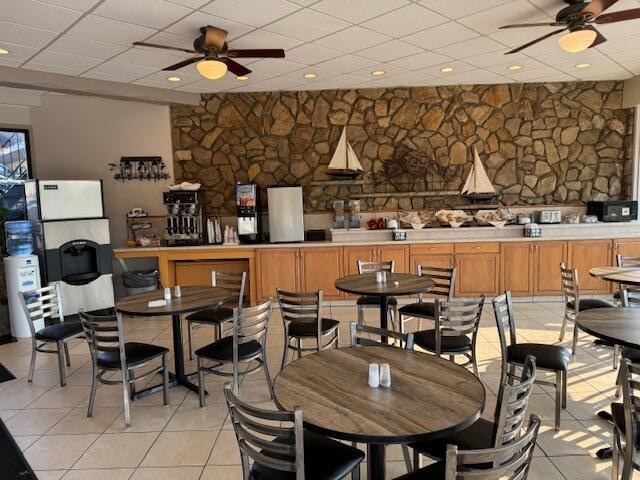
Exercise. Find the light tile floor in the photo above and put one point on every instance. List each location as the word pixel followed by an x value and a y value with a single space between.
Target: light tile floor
pixel 182 441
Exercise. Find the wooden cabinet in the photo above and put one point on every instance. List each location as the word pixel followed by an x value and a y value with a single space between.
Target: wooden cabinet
pixel 319 269
pixel 517 268
pixel 439 255
pixel 377 253
pixel 277 268
pixel 547 257
pixel 478 271
pixel 586 254
pixel 627 247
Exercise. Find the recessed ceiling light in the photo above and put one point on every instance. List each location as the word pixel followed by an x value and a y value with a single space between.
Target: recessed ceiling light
pixel 515 67
pixel 447 69
pixel 583 65
pixel 377 73
pixel 174 79
pixel 310 75
pixel 242 78
pixel 4 51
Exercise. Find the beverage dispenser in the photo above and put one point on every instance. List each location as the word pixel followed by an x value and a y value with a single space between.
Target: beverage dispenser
pixel 248 213
pixel 184 218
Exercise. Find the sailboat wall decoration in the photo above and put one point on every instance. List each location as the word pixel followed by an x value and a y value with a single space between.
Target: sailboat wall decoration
pixel 478 186
pixel 344 163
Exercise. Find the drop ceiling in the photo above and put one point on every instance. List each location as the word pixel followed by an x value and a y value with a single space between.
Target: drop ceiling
pixel 341 41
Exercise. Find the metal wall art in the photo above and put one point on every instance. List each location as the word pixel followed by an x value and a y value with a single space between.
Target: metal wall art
pixel 139 168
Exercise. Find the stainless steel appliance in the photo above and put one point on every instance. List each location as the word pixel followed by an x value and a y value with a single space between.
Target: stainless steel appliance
pixel 286 213
pixel 184 218
pixel 549 216
pixel 248 209
pixel 614 210
pixel 72 242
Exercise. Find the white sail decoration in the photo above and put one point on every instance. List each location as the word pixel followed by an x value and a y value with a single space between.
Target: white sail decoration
pixel 478 183
pixel 344 163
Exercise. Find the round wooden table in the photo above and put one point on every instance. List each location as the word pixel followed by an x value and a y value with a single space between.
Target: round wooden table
pixel 625 275
pixel 429 398
pixel 396 284
pixel 193 299
pixel 618 325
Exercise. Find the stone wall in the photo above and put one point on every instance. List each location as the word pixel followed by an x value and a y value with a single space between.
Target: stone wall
pixel 552 143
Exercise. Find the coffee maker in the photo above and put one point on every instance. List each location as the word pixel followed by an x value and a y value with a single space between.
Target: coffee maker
pixel 184 218
pixel 248 210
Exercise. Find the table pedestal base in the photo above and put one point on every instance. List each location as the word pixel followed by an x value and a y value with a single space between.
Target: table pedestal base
pixel 173 382
pixel 375 461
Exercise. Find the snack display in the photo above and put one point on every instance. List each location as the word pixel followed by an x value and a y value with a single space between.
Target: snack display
pixel 417 220
pixel 454 218
pixel 498 218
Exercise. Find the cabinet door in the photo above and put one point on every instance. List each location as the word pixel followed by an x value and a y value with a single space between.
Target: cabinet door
pixel 353 254
pixel 319 270
pixel 586 254
pixel 277 268
pixel 427 260
pixel 547 257
pixel 627 247
pixel 478 274
pixel 516 268
pixel 399 254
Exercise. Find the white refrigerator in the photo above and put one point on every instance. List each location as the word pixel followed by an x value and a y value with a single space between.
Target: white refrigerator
pixel 286 213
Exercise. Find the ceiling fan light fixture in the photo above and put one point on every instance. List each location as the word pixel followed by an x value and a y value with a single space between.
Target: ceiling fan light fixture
pixel 174 78
pixel 4 51
pixel 211 69
pixel 577 41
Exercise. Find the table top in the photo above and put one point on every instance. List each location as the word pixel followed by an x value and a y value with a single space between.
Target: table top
pixel 365 284
pixel 193 299
pixel 626 275
pixel 615 324
pixel 429 398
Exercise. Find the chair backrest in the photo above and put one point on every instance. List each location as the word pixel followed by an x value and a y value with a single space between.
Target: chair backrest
pixel 443 278
pixel 361 335
pixel 42 303
pixel 104 333
pixel 372 267
pixel 232 281
pixel 510 462
pixel 301 307
pixel 457 318
pixel 505 320
pixel 630 380
pixel 251 323
pixel 630 294
pixel 627 261
pixel 271 438
pixel 570 288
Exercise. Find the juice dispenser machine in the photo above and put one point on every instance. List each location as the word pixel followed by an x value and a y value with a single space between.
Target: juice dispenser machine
pixel 248 212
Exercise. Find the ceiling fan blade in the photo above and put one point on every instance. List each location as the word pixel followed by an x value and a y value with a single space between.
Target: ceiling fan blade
pixel 621 16
pixel 533 42
pixel 165 47
pixel 523 25
pixel 235 68
pixel 599 38
pixel 256 53
pixel 215 37
pixel 596 7
pixel 184 63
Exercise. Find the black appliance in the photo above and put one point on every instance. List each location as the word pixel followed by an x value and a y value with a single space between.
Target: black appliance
pixel 248 209
pixel 614 210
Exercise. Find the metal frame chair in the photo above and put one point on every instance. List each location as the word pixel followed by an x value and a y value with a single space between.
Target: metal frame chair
pixel 444 279
pixel 248 344
pixel 357 337
pixel 633 292
pixel 105 336
pixel 304 309
pixel 234 282
pixel 365 301
pixel 41 304
pixel 625 425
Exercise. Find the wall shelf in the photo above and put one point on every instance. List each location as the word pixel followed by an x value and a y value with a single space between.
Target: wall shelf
pixel 406 194
pixel 325 183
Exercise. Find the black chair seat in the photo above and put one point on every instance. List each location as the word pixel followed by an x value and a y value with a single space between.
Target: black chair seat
pixel 59 331
pixel 427 340
pixel 419 309
pixel 477 436
pixel 375 300
pixel 212 316
pixel 223 350
pixel 135 352
pixel 435 471
pixel 324 459
pixel 617 412
pixel 589 303
pixel 549 357
pixel 310 329
pixel 633 354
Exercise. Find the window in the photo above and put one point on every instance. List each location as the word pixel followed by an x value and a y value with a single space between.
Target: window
pixel 15 168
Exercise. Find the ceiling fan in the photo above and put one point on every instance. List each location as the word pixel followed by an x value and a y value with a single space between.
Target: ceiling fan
pixel 215 57
pixel 577 19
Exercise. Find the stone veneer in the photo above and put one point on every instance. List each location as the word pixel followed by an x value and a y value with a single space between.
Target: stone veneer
pixel 541 143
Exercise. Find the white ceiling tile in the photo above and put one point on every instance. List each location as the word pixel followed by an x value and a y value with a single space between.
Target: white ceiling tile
pixel 19 53
pixel 405 21
pixel 470 48
pixel 262 39
pixel 187 76
pixel 628 56
pixel 259 13
pixel 514 37
pixel 148 13
pixel 390 50
pixel 275 66
pixel 111 77
pixel 347 63
pixel 123 69
pixel 321 74
pixel 421 60
pixel 516 11
pixel 525 63
pixel 633 67
pixel 54 69
pixel 9 62
pixel 190 3
pixel 85 47
pixel 458 67
pixel 148 57
pixel 110 31
pixel 307 25
pixel 22 91
pixel 353 39
pixel 528 75
pixel 272 84
pixel 37 14
pixel 311 54
pixel 80 5
pixel 632 42
pixel 460 8
pixel 494 58
pixel 550 7
pixel 390 71
pixel 356 11
pixel 190 25
pixel 64 60
pixel 145 82
pixel 440 35
pixel 407 79
pixel 22 35
pixel 477 77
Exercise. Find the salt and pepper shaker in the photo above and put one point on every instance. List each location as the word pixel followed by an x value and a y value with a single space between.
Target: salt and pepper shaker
pixel 177 292
pixel 379 277
pixel 385 375
pixel 384 277
pixel 374 375
pixel 167 294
